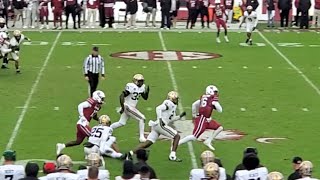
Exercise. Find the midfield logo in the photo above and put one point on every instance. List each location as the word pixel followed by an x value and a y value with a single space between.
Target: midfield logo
pixel 166 55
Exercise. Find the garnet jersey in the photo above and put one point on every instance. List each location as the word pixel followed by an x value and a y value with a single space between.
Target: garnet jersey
pixel 88 109
pixel 134 94
pixel 199 174
pixel 93 4
pixel 103 174
pixel 205 106
pixel 218 11
pixel 11 172
pixel 260 173
pixel 57 4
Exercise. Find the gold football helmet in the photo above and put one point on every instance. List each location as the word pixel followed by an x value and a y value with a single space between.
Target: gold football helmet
pixel 2 21
pixel 16 33
pixel 93 159
pixel 173 96
pixel 305 168
pixel 104 120
pixel 64 162
pixel 207 157
pixel 138 79
pixel 275 176
pixel 211 171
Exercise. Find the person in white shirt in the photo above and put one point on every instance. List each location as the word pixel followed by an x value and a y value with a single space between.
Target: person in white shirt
pixel 305 170
pixel 166 113
pixel 32 13
pixel 94 160
pixel 129 99
pixel 64 165
pixel 250 17
pixel 206 157
pixel 275 176
pixel 9 170
pixel 252 169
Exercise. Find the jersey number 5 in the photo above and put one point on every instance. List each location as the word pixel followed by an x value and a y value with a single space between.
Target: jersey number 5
pixel 8 177
pixel 96 132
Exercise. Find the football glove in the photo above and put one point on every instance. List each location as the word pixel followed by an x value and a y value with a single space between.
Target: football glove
pixel 254 28
pixel 183 114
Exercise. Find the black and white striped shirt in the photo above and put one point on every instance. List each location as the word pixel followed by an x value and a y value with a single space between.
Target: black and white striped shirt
pixel 93 64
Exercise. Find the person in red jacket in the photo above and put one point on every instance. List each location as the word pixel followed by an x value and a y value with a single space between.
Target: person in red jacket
pixel 316 14
pixel 44 13
pixel 57 8
pixel 108 11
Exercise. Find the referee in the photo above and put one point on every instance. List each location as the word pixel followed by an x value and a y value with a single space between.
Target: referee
pixel 93 65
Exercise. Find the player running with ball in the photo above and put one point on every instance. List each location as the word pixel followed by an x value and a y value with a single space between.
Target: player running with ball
pixel 250 17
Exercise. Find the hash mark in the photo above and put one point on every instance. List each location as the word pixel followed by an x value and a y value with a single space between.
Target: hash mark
pixel 118 67
pixel 245 67
pixel 68 67
pixel 243 109
pixel 56 108
pixel 274 109
pixel 270 67
pixel 144 67
pixel 305 109
pixel 194 67
pixel 149 108
pixel 219 67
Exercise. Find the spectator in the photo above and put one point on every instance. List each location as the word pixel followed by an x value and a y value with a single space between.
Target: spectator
pixel 253 3
pixel 92 7
pixel 305 170
pixel 83 5
pixel 284 7
pixel 192 12
pixel 144 172
pixel 150 7
pixel 64 165
pixel 128 172
pixel 229 9
pixel 132 8
pixel 31 171
pixel 295 164
pixel 165 14
pixel 44 13
pixel 108 10
pixel 175 5
pixel 316 14
pixel 18 6
pixel 102 16
pixel 17 171
pixel 304 6
pixel 271 12
pixel 48 167
pixel 31 13
pixel 71 9
pixel 142 156
pixel 297 16
pixel 252 168
pixel 4 6
pixel 93 173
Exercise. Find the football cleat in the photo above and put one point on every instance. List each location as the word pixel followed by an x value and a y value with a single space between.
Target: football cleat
pixel 60 147
pixel 208 144
pixel 175 159
pixel 250 42
pixel 142 139
pixel 226 39
pixel 218 40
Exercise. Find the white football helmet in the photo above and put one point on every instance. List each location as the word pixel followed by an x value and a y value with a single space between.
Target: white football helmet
pixel 2 21
pixel 64 162
pixel 98 96
pixel 211 90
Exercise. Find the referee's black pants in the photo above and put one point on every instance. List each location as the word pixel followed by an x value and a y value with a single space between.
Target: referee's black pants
pixel 93 81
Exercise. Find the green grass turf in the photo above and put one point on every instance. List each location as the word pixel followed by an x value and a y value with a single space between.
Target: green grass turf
pixel 256 88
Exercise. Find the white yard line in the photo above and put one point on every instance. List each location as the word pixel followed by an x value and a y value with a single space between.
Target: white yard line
pixel 30 95
pixel 175 87
pixel 291 64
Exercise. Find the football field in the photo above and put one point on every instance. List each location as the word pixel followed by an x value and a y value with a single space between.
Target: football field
pixel 268 90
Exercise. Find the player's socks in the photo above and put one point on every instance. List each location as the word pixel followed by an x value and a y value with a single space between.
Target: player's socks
pixel 187 139
pixel 247 40
pixel 141 131
pixel 215 134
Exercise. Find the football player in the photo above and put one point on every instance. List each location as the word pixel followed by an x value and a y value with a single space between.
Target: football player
pixel 166 113
pixel 201 113
pixel 101 139
pixel 87 110
pixel 275 176
pixel 250 17
pixel 15 43
pixel 129 100
pixel 9 170
pixel 205 158
pixel 211 170
pixel 305 170
pixel 4 48
pixel 94 159
pixel 219 11
pixel 64 165
pixel 252 169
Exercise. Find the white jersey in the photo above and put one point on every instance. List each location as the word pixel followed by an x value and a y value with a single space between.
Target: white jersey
pixel 15 42
pixel 307 178
pixel 135 177
pixel 260 173
pixel 103 174
pixel 135 92
pixel 64 176
pixel 250 18
pixel 167 111
pixel 11 172
pixel 198 174
pixel 100 134
pixel 4 29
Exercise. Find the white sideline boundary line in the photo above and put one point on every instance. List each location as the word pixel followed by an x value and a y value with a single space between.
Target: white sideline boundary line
pixel 30 95
pixel 291 64
pixel 175 87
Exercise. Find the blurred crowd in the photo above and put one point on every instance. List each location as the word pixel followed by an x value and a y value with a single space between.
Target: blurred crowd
pixel 211 168
pixel 35 13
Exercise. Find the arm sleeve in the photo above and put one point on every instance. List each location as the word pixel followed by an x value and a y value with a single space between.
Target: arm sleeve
pixel 83 105
pixel 102 67
pixel 85 66
pixel 161 108
pixel 195 107
pixel 217 106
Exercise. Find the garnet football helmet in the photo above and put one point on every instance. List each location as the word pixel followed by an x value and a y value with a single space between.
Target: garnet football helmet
pixel 98 96
pixel 104 120
pixel 207 157
pixel 94 159
pixel 64 162
pixel 275 176
pixel 305 168
pixel 211 90
pixel 211 171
